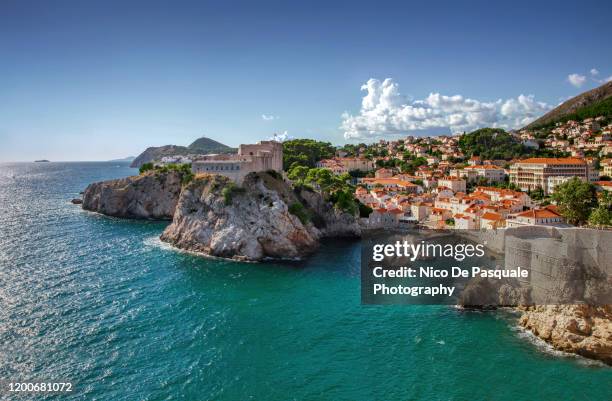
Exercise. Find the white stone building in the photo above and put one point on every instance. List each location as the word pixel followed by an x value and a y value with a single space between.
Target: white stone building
pixel 262 156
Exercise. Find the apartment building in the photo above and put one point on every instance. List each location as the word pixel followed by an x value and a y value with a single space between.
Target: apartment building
pixel 530 174
pixel 453 183
pixel 606 167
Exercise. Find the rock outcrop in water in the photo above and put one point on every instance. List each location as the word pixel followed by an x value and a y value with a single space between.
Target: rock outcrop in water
pixel 581 329
pixel 262 219
pixel 152 195
pixel 265 218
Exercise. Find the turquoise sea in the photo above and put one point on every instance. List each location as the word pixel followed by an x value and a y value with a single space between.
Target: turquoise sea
pixel 102 303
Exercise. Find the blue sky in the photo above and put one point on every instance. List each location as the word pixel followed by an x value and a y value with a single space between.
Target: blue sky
pixel 106 79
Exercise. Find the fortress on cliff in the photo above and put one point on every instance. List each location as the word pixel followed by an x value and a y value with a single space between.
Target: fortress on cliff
pixel 262 156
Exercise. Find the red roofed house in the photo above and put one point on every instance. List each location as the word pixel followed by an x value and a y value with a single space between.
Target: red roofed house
pixel 492 221
pixel 604 185
pixel 383 173
pixel 474 161
pixel 547 216
pixel 464 222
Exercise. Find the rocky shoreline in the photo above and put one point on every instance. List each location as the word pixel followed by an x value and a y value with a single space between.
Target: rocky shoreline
pixel 585 330
pixel 152 195
pixel 263 218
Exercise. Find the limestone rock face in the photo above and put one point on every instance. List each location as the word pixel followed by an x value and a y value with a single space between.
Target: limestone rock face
pixel 153 195
pixel 331 221
pixel 253 222
pixel 582 329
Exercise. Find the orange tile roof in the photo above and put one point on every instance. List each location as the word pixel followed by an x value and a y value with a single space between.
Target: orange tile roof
pixel 550 160
pixel 350 158
pixel 383 181
pixel 479 196
pixel 484 166
pixel 491 216
pixel 539 214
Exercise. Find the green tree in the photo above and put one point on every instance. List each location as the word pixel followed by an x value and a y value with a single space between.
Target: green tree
pixel 492 143
pixel 336 188
pixel 537 194
pixel 298 210
pixel 298 173
pixel 145 167
pixel 323 177
pixel 344 200
pixel 602 214
pixel 305 152
pixel 364 210
pixel 575 199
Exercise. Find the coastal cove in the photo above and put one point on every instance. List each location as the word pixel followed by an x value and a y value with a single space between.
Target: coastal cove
pixel 103 302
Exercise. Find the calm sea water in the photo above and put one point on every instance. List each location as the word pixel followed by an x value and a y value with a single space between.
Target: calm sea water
pixel 102 303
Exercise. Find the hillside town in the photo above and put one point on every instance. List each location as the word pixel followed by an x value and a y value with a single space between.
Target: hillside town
pixel 450 189
pixel 487 179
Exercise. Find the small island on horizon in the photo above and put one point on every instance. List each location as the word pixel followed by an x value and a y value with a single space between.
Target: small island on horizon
pixel 42 161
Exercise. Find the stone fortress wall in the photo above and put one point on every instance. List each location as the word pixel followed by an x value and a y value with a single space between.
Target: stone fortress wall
pixel 262 156
pixel 565 265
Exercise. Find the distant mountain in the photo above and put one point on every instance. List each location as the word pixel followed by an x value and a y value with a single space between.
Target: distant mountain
pixel 593 103
pixel 206 145
pixel 125 159
pixel 199 146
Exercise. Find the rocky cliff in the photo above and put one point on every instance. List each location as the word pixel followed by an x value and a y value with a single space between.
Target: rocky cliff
pixel 264 218
pixel 152 195
pixel 581 329
pixel 329 220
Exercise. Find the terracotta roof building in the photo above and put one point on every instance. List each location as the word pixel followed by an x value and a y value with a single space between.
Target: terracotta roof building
pixel 533 173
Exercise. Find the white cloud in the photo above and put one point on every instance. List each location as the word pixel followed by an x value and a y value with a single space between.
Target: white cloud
pixel 595 74
pixel 385 112
pixel 281 137
pixel 576 79
pixel 270 117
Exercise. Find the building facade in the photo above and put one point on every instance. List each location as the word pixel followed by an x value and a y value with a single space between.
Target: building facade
pixel 537 217
pixel 454 183
pixel 262 156
pixel 530 174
